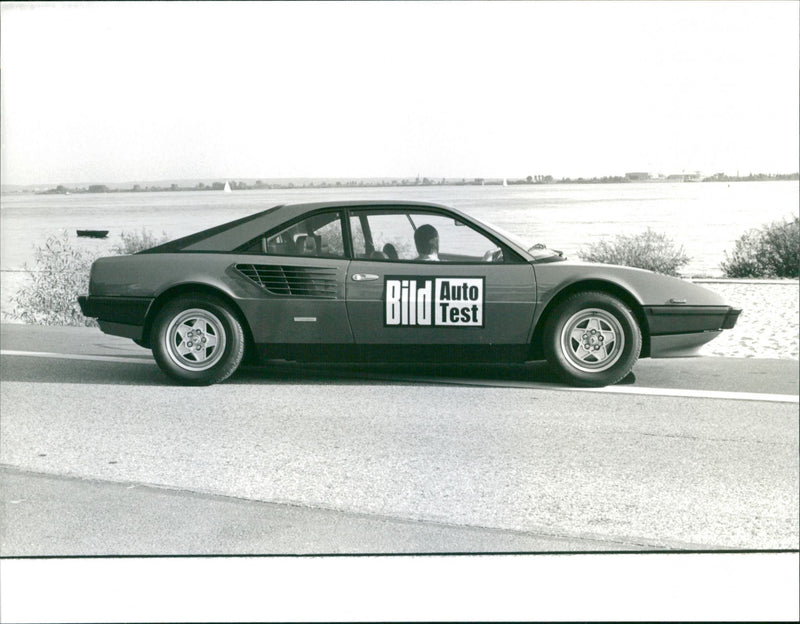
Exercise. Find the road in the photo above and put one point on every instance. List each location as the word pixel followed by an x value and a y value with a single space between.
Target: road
pixel 692 454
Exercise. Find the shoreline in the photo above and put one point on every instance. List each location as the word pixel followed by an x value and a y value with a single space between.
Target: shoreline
pixel 239 184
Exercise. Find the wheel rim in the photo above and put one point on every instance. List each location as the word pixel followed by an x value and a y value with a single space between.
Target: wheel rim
pixel 195 339
pixel 592 340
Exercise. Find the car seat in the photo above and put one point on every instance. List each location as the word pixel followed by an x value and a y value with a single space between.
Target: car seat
pixel 389 251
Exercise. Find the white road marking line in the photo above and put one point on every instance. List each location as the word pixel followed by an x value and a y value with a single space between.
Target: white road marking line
pixel 75 356
pixel 636 390
pixel 699 394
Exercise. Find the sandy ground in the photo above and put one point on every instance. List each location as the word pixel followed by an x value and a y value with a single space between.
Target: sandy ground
pixel 769 326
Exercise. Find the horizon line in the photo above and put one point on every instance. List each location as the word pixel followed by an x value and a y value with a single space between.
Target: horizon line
pixel 413 179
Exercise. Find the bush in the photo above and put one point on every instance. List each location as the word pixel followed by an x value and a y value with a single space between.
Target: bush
pixel 50 296
pixel 61 274
pixel 133 242
pixel 646 250
pixel 771 251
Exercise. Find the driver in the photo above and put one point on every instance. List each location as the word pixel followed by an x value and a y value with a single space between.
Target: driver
pixel 426 238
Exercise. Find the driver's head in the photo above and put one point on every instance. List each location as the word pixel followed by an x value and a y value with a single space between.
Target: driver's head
pixel 426 238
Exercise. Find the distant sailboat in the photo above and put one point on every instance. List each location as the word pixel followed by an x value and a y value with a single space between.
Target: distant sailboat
pixel 227 188
pixel 505 182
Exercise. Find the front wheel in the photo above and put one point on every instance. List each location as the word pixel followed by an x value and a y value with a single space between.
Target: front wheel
pixel 197 340
pixel 592 339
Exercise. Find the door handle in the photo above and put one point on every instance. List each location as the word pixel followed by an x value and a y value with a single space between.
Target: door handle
pixel 364 277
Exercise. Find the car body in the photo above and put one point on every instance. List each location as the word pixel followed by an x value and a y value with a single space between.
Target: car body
pixel 348 281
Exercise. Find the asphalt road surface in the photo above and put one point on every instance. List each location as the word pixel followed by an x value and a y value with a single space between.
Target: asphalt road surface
pixel 100 454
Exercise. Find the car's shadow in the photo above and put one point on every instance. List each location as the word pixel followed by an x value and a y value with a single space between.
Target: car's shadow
pixel 370 373
pixel 144 373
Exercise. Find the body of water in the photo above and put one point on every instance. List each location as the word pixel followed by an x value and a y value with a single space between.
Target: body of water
pixel 705 218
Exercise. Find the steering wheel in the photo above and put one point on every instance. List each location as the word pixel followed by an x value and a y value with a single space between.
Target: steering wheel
pixel 493 256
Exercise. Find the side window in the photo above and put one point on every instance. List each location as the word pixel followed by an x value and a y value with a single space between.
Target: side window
pixel 319 235
pixel 383 236
pixel 420 237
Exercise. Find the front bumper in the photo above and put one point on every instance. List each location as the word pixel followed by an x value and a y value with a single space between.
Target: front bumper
pixel 683 319
pixel 731 317
pixel 681 331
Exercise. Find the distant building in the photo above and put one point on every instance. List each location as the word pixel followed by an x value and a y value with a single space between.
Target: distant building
pixel 694 176
pixel 645 176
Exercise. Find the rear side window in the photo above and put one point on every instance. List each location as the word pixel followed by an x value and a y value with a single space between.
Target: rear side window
pixel 317 236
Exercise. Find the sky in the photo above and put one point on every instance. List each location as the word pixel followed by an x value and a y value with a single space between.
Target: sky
pixel 156 91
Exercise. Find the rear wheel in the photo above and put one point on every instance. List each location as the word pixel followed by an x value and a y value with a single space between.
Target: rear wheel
pixel 197 340
pixel 592 339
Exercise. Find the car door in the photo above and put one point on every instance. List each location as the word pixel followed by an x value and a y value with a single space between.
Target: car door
pixel 472 291
pixel 301 270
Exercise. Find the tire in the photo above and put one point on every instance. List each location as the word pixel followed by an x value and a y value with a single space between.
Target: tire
pixel 592 339
pixel 197 340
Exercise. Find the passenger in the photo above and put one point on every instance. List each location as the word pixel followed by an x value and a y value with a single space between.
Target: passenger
pixel 426 238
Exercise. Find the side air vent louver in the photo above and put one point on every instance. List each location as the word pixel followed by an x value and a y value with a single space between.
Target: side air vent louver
pixel 298 281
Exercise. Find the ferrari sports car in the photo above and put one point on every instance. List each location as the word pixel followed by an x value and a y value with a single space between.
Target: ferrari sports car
pixel 387 282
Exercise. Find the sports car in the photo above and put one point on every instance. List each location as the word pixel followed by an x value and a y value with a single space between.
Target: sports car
pixel 391 281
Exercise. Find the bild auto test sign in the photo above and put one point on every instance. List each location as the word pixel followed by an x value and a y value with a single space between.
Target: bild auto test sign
pixel 440 301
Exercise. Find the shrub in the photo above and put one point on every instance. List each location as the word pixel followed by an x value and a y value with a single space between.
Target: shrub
pixel 50 295
pixel 646 250
pixel 133 242
pixel 61 274
pixel 771 251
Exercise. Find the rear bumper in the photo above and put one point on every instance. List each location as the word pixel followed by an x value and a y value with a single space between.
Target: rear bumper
pixel 118 316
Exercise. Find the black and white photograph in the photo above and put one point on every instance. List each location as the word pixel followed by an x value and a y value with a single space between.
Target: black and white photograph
pixel 399 311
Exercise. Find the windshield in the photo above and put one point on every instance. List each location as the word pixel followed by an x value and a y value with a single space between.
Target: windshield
pixel 537 250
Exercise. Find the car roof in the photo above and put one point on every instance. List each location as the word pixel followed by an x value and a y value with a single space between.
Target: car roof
pixel 231 235
pixel 293 210
pixel 217 237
